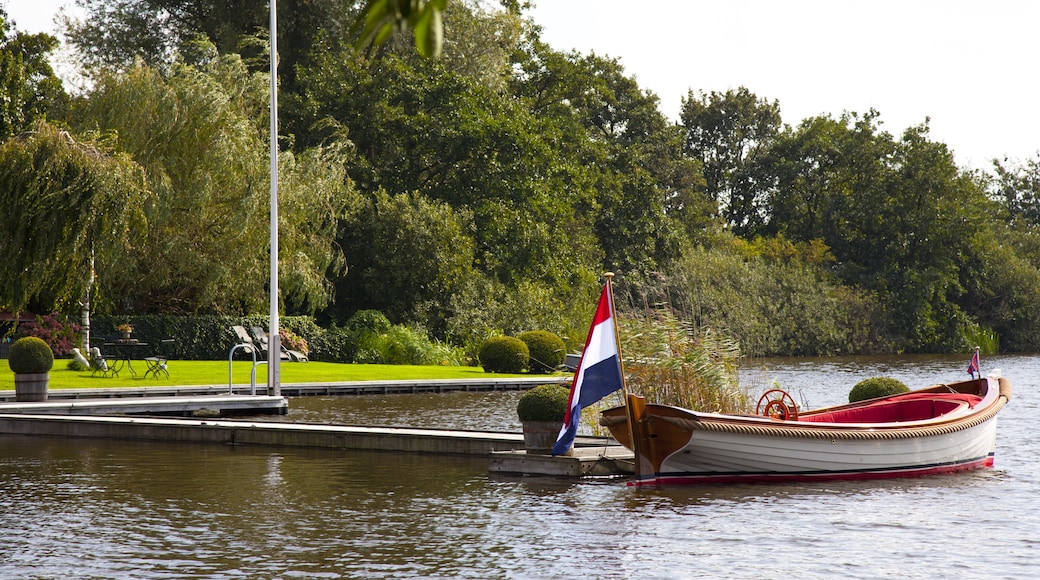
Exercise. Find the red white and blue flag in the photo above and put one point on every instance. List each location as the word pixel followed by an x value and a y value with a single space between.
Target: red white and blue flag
pixel 598 374
pixel 973 366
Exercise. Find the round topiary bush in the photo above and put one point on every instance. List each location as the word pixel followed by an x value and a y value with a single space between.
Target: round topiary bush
pixel 30 355
pixel 544 403
pixel 876 387
pixel 504 354
pixel 547 351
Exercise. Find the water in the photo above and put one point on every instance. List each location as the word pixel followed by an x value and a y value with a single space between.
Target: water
pixel 109 509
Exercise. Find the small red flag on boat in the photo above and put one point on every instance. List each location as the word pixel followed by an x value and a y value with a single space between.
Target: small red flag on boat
pixel 973 366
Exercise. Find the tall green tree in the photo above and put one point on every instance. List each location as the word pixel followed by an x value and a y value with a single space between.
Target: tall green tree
pixel 1002 285
pixel 117 33
pixel 420 127
pixel 727 132
pixel 409 256
pixel 642 175
pixel 831 179
pixel 30 90
pixel 1017 187
pixel 899 216
pixel 648 199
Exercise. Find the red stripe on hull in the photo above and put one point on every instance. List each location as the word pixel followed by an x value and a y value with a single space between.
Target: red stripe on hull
pixel 807 477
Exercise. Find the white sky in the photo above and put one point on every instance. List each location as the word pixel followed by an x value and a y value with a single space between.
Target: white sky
pixel 968 65
pixel 35 15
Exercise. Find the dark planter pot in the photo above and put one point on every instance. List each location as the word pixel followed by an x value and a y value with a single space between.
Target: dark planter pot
pixel 31 387
pixel 539 436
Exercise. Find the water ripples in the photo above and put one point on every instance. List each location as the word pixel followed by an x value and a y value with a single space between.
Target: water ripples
pixel 111 509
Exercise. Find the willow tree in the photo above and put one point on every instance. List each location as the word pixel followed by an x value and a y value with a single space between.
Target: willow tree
pixel 65 199
pixel 200 137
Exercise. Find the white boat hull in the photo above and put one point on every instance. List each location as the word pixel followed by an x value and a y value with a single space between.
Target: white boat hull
pixel 728 457
pixel 956 431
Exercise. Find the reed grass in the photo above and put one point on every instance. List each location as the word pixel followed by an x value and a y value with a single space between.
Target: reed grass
pixel 671 362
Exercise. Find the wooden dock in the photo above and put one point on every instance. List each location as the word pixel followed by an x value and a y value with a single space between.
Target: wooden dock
pixel 131 414
pixel 273 433
pixel 183 406
pixel 609 459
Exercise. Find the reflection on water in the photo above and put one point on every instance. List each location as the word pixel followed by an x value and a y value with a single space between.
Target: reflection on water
pixel 110 509
pixel 455 410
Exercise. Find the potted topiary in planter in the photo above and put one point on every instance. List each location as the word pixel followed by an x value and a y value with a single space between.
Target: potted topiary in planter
pixel 30 359
pixel 541 411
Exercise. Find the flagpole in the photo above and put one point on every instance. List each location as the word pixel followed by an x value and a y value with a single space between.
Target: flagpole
pixel 978 364
pixel 274 345
pixel 617 337
pixel 629 411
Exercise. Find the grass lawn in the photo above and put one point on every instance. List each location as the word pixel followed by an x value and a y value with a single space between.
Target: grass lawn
pixel 189 372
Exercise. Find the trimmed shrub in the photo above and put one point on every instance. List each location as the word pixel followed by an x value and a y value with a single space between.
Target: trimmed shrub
pixel 544 403
pixel 547 351
pixel 504 354
pixel 875 387
pixel 30 355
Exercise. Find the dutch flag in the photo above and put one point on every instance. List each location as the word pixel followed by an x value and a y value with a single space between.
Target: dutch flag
pixel 598 374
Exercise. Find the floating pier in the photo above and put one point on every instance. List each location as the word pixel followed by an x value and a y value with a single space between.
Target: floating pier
pixel 245 432
pixel 187 406
pixel 143 414
pixel 606 460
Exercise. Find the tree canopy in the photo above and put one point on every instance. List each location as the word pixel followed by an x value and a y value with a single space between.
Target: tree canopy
pixel 195 134
pixel 483 191
pixel 29 87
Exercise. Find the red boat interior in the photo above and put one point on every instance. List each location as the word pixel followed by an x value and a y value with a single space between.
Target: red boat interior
pixel 910 407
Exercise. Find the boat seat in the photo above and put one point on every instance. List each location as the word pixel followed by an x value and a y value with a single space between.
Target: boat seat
pixel 895 410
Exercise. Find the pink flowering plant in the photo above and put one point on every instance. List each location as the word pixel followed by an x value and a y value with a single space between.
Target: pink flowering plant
pixel 54 329
pixel 293 341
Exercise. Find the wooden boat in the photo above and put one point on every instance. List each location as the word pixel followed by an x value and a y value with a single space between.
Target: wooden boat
pixel 940 429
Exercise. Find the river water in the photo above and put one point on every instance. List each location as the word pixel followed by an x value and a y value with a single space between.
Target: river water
pixel 110 509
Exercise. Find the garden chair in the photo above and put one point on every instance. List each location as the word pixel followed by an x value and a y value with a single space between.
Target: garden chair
pixel 286 354
pixel 245 342
pixel 158 363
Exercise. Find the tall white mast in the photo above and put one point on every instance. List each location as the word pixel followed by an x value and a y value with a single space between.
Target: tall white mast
pixel 274 344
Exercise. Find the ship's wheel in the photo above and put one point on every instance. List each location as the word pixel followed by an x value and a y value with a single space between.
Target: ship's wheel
pixel 777 404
